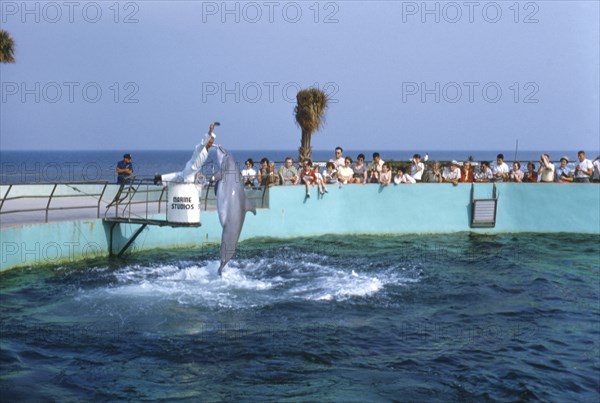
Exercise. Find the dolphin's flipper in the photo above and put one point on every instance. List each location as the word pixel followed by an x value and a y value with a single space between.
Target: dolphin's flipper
pixel 250 206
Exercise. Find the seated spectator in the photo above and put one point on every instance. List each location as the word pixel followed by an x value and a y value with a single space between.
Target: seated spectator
pixel 433 175
pixel 485 174
pixel 272 176
pixel 360 170
pixel 452 174
pixel 516 175
pixel 345 173
pixel 402 177
pixel 531 175
pixel 288 175
pixel 308 176
pixel 596 164
pixel 385 177
pixel 330 174
pixel 546 170
pixel 320 181
pixel 375 168
pixel 583 169
pixel 249 174
pixel 263 171
pixel 417 168
pixel 466 172
pixel 500 169
pixel 338 161
pixel 563 172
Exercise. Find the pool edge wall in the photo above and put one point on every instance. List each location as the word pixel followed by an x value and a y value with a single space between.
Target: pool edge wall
pixel 353 209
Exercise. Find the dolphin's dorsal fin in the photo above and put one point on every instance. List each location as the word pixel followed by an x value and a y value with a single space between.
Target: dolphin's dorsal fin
pixel 250 206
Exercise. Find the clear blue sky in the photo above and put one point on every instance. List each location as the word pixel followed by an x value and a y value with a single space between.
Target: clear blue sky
pixel 167 69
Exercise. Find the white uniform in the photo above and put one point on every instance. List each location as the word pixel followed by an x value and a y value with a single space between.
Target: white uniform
pixel 192 167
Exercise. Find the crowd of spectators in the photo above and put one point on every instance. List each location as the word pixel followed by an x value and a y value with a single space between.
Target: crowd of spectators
pixel 343 170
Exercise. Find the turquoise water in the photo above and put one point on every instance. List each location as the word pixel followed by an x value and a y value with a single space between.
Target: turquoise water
pixel 458 317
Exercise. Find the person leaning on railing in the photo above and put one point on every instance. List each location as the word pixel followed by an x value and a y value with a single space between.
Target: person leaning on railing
pixel 124 169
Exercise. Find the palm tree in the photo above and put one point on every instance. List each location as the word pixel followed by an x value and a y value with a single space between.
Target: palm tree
pixel 7 47
pixel 310 116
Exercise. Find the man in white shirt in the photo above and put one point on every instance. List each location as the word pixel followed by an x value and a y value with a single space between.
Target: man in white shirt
pixel 500 170
pixel 338 161
pixel 375 168
pixel 546 171
pixel 417 167
pixel 193 166
pixel 452 175
pixel 583 169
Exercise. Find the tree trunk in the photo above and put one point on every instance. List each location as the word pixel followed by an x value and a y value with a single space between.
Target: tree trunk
pixel 305 150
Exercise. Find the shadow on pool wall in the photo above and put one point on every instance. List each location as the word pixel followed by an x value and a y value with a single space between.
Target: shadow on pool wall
pixel 350 209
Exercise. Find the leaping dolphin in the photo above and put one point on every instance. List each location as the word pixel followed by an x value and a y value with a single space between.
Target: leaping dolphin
pixel 232 204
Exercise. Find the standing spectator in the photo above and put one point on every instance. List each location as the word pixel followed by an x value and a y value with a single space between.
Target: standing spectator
pixel 466 172
pixel 500 170
pixel 385 177
pixel 583 169
pixel 249 173
pixel 452 175
pixel 288 174
pixel 124 169
pixel 345 173
pixel 338 161
pixel 402 177
pixel 546 170
pixel 531 175
pixel 563 173
pixel 516 175
pixel 375 168
pixel 308 176
pixel 596 163
pixel 485 174
pixel 417 168
pixel 360 170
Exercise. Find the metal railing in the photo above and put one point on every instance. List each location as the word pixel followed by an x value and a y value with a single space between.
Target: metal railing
pixel 137 198
pixel 52 196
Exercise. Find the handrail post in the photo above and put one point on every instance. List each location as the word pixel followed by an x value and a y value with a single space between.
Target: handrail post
pixel 5 196
pixel 50 200
pixel 100 198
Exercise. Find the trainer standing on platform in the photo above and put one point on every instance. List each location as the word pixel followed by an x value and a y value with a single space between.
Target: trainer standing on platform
pixel 193 166
pixel 124 169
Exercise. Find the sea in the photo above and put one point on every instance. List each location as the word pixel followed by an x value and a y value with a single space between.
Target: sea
pixel 457 317
pixel 17 167
pixel 416 318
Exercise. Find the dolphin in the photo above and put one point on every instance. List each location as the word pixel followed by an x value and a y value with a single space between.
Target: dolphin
pixel 232 203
